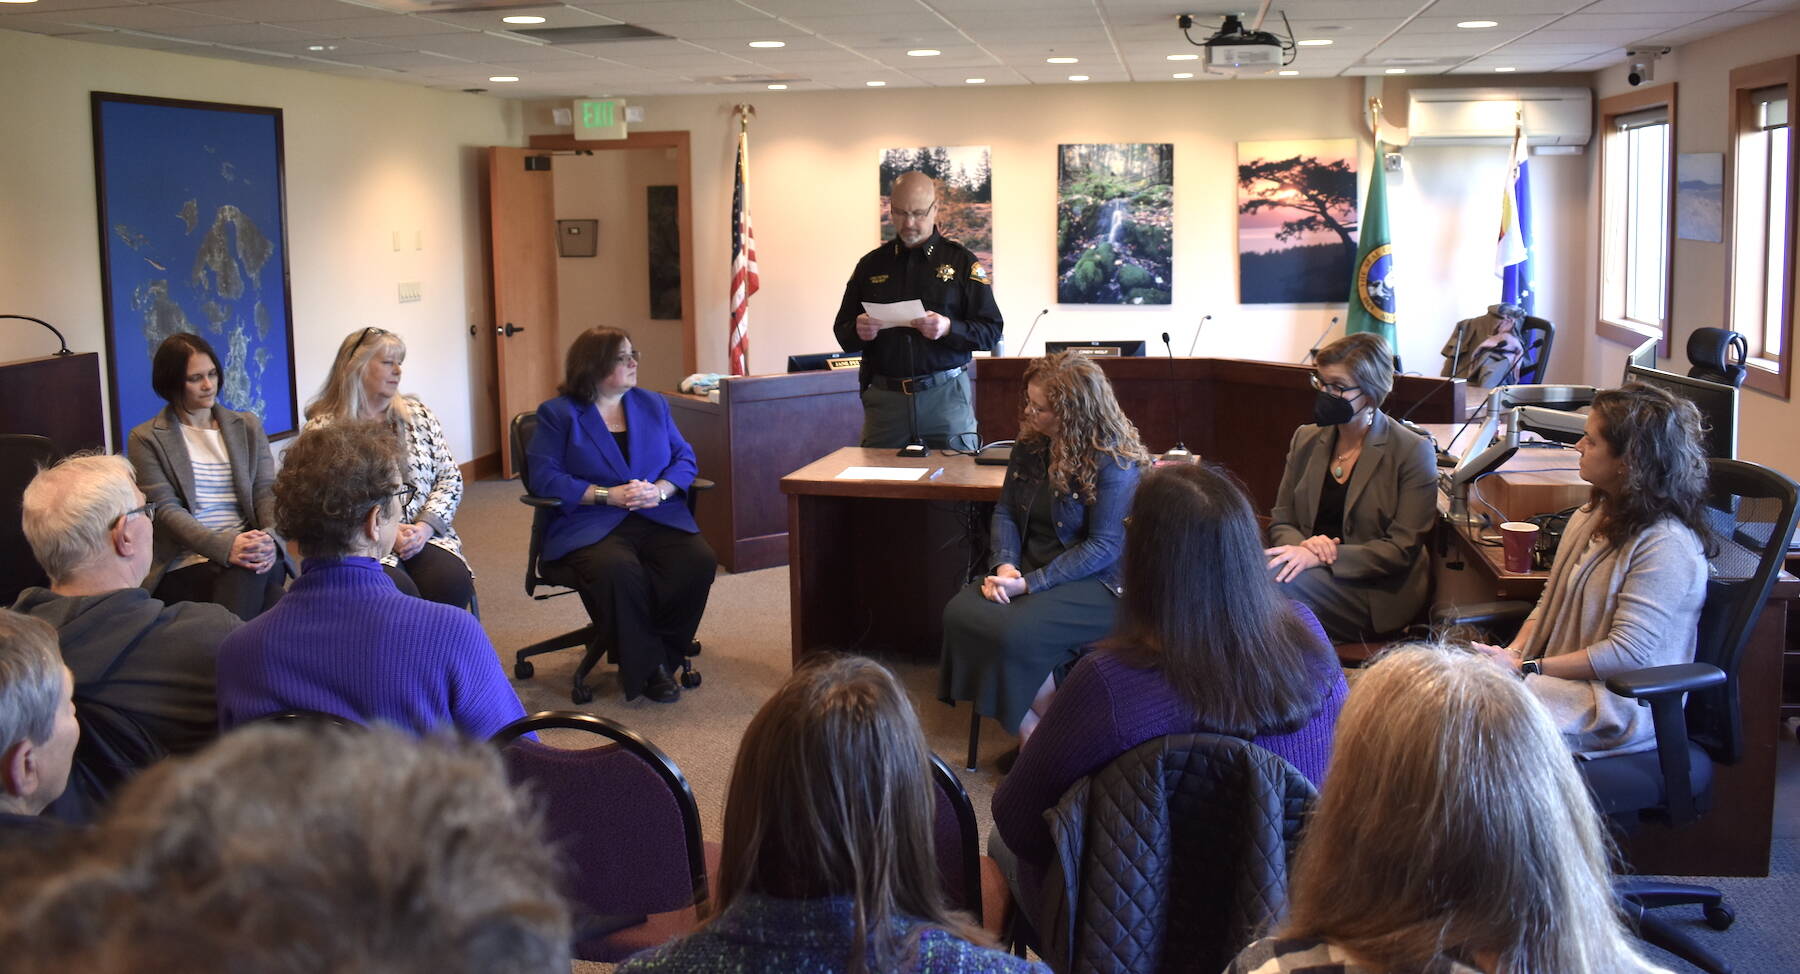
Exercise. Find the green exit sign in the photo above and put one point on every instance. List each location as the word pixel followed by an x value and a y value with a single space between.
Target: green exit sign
pixel 600 118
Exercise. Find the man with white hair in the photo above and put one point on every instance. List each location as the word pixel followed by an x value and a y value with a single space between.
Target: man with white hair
pixel 37 724
pixel 147 664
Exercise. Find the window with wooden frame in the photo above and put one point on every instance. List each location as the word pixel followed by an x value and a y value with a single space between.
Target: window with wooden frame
pixel 1759 293
pixel 1637 186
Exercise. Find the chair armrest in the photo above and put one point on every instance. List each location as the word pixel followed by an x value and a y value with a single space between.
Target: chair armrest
pixel 1482 614
pixel 700 484
pixel 536 500
pixel 1656 681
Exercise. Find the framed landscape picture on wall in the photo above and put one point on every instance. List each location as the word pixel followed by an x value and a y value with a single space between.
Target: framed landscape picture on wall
pixel 1297 221
pixel 193 238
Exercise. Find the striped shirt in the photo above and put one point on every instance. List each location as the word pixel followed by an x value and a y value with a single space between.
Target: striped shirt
pixel 215 500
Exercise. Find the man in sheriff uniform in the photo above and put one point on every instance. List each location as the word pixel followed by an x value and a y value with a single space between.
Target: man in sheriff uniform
pixel 926 359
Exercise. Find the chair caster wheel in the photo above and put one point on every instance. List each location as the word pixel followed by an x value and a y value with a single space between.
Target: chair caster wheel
pixel 1719 916
pixel 580 694
pixel 523 669
pixel 691 679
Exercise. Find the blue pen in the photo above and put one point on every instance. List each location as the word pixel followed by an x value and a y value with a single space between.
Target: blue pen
pixel 935 474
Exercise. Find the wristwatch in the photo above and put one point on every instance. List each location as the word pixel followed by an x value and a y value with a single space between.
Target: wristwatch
pixel 1531 667
pixel 663 494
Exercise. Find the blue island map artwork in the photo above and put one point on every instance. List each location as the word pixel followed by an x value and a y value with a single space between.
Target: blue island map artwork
pixel 191 210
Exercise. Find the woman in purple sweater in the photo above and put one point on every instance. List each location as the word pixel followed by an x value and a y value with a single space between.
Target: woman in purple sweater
pixel 1205 642
pixel 344 640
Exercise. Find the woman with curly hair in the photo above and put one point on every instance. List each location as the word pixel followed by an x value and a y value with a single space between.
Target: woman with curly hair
pixel 1057 533
pixel 1630 573
pixel 364 384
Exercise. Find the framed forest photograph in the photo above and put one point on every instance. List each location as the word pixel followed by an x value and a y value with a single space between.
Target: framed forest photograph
pixel 1115 238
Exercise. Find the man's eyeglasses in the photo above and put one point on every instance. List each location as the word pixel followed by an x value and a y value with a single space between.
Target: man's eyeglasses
pixel 1342 392
pixel 624 357
pixel 917 214
pixel 148 509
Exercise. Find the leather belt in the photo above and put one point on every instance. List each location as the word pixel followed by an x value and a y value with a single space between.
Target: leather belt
pixel 918 383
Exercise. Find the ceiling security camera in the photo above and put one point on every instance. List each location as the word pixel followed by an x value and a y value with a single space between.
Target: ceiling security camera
pixel 1643 64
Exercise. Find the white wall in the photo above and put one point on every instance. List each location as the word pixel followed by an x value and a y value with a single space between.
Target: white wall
pixel 363 160
pixel 1701 71
pixel 813 174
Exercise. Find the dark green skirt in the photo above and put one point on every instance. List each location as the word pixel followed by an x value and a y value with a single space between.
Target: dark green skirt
pixel 998 655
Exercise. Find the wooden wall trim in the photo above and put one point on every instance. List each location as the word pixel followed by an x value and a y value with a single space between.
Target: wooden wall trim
pixel 484 467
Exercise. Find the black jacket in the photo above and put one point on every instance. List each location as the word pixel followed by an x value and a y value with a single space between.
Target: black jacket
pixel 942 274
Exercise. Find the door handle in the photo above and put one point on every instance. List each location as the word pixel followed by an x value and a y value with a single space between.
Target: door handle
pixel 508 330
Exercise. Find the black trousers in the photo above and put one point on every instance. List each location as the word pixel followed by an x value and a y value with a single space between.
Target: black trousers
pixel 241 590
pixel 434 574
pixel 645 586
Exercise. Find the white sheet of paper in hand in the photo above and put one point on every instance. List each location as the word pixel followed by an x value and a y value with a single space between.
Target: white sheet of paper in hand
pixel 897 313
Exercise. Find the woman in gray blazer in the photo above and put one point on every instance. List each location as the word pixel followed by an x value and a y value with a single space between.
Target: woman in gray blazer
pixel 1357 501
pixel 209 471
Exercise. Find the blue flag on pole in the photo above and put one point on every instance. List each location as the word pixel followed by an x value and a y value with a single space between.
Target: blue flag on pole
pixel 1513 260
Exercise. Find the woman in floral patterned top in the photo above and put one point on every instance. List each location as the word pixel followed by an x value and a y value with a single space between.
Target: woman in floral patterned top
pixel 364 383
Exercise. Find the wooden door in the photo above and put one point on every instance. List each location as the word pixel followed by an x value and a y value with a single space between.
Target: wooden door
pixel 522 221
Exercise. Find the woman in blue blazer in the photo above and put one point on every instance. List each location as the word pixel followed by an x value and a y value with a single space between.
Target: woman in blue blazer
pixel 611 453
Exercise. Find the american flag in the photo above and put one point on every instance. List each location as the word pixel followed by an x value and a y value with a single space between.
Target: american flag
pixel 744 280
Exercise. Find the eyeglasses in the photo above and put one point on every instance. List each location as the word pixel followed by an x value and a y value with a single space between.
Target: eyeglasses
pixel 1342 392
pixel 917 214
pixel 366 332
pixel 406 493
pixel 147 510
pixel 631 356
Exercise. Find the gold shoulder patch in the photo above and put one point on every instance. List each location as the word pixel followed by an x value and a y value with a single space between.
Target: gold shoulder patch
pixel 946 273
pixel 878 279
pixel 978 273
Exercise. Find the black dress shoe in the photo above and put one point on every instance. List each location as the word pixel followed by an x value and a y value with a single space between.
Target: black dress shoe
pixel 1006 760
pixel 661 687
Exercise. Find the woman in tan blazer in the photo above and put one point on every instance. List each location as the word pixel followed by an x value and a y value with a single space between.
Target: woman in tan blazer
pixel 210 473
pixel 1357 501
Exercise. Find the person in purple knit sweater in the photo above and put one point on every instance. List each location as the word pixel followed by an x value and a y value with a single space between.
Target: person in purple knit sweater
pixel 1205 642
pixel 344 640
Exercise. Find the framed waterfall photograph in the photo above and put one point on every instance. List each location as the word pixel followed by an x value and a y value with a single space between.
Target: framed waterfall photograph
pixel 193 238
pixel 1115 236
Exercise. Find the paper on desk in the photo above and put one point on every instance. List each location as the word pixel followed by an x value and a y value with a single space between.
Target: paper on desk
pixel 883 473
pixel 896 313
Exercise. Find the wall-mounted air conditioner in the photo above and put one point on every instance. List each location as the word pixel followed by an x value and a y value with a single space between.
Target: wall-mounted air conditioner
pixel 1484 116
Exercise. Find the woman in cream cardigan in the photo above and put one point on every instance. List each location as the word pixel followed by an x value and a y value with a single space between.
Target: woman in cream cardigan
pixel 1629 576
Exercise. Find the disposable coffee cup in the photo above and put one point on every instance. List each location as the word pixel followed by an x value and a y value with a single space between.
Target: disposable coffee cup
pixel 1519 539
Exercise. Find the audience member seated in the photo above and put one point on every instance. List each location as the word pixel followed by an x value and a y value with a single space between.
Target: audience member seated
pixel 1357 501
pixel 210 474
pixel 1205 642
pixel 1056 536
pixel 364 384
pixel 38 732
pixel 1453 835
pixel 1629 576
pixel 297 850
pixel 827 863
pixel 612 454
pixel 345 640
pixel 90 528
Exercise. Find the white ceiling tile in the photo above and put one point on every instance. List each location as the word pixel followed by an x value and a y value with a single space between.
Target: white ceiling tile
pixel 1638 22
pixel 1660 6
pixel 61 6
pixel 115 38
pixel 398 59
pixel 676 11
pixel 1706 28
pixel 1501 10
pixel 268 11
pixel 254 35
pixel 147 18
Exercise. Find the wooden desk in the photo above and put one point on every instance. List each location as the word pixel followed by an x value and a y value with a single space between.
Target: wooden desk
pixel 871 563
pixel 762 427
pixel 1731 839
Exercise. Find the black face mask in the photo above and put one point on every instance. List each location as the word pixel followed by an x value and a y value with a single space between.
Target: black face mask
pixel 1330 410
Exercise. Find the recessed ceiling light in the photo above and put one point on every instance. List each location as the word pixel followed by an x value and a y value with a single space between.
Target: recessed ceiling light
pixel 1182 57
pixel 1396 71
pixel 778 87
pixel 923 52
pixel 876 84
pixel 1078 77
pixel 522 19
pixel 1504 70
pixel 502 78
pixel 1183 74
pixel 1317 42
pixel 1287 74
pixel 1478 24
pixel 1062 60
pixel 768 43
pixel 974 81
pixel 18 1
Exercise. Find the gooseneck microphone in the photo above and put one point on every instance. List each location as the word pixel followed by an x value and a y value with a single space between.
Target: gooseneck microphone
pixel 1180 452
pixel 1191 345
pixel 1314 351
pixel 1028 331
pixel 915 445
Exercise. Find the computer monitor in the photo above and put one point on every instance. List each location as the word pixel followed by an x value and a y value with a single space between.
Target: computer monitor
pixel 1718 405
pixel 821 361
pixel 1099 349
pixel 1643 356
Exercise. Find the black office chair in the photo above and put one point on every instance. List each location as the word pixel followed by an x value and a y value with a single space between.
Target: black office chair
pixel 1752 510
pixel 1718 355
pixel 20 456
pixel 1537 335
pixel 524 425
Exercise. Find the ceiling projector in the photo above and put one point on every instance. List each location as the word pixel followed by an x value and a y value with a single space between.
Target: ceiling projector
pixel 1234 49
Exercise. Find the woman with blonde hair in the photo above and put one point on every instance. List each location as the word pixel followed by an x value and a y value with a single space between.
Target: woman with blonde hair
pixel 1453 835
pixel 364 384
pixel 828 861
pixel 1056 537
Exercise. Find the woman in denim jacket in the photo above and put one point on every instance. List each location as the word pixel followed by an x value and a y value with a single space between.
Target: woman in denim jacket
pixel 1057 534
